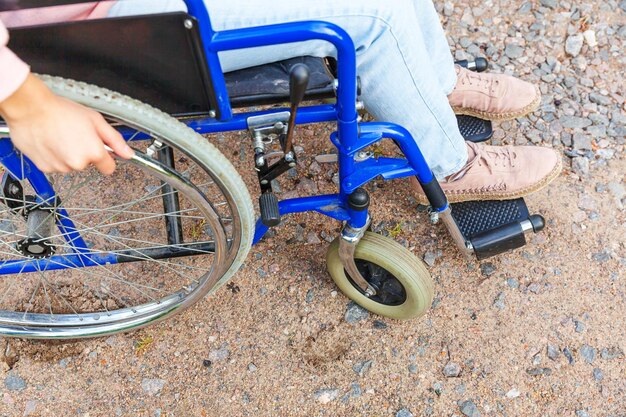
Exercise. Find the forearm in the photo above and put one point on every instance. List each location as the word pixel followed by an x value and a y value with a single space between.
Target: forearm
pixel 13 71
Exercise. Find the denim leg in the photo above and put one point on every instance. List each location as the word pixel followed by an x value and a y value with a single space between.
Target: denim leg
pixel 436 42
pixel 398 81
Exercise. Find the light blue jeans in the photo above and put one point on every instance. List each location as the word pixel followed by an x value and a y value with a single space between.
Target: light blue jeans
pixel 403 58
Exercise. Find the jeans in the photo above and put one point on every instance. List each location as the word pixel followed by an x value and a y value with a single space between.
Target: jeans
pixel 403 59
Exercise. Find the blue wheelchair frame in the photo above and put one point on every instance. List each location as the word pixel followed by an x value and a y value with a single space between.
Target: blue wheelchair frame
pixel 350 137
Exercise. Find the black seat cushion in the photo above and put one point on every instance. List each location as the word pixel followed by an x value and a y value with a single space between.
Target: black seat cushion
pixel 269 84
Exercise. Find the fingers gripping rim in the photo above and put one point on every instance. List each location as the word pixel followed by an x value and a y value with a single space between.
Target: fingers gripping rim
pixel 155 120
pixel 396 259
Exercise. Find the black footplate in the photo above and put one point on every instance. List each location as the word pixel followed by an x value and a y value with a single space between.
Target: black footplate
pixel 494 227
pixel 474 129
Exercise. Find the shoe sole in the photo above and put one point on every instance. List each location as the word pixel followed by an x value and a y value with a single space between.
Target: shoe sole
pixel 501 116
pixel 461 197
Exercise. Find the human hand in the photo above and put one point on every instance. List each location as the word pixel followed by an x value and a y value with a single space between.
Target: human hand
pixel 57 134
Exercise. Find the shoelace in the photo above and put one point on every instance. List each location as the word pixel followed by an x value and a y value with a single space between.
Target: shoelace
pixel 504 155
pixel 471 77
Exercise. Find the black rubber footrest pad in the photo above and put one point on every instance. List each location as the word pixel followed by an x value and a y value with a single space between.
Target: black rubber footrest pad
pixel 270 214
pixel 474 217
pixel 474 129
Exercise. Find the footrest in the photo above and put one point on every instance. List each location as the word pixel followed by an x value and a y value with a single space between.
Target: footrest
pixel 270 213
pixel 493 227
pixel 474 129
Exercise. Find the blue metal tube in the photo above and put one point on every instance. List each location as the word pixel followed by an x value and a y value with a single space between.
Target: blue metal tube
pixel 56 262
pixel 329 205
pixel 197 9
pixel 311 114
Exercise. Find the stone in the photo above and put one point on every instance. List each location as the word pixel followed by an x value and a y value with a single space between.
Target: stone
pixel 430 257
pixel 601 257
pixel 412 368
pixel 452 370
pixel 597 374
pixel 487 268
pixel 152 386
pixel 588 353
pixel 380 325
pixel 312 239
pixel 582 413
pixel 219 355
pixel 552 4
pixel 513 393
pixel 524 8
pixel 14 382
pixel 581 142
pixel 568 355
pixel 580 166
pixel 553 352
pixel 611 353
pixel 573 44
pixel 573 122
pixel 579 326
pixel 326 395
pixel 469 409
pixel 361 368
pixel 513 51
pixel 404 413
pixel 618 192
pixel 30 408
pixel 586 202
pixel 355 390
pixel 355 313
pixel 252 367
pixel 315 168
pixel 538 371
pixel 512 282
pixel 598 98
pixel 590 38
pixel 499 301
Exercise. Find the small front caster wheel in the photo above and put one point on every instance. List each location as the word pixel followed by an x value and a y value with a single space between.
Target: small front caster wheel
pixel 404 288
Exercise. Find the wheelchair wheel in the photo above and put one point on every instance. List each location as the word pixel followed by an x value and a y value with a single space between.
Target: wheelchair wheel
pixel 114 253
pixel 404 286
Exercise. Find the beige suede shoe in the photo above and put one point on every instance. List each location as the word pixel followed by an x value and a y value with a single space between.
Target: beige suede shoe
pixel 498 173
pixel 492 96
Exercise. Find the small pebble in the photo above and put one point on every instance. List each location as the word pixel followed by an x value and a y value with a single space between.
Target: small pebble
pixel 469 409
pixel 404 413
pixel 355 313
pixel 152 386
pixel 326 395
pixel 487 269
pixel 452 370
pixel 513 393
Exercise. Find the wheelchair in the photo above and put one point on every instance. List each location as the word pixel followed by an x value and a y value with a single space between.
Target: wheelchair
pixel 85 255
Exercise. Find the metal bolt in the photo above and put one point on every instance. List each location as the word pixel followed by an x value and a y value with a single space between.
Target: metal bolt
pixel 292 164
pixel 212 113
pixel 188 24
pixel 14 189
pixel 263 182
pixel 289 156
pixel 434 217
pixel 260 161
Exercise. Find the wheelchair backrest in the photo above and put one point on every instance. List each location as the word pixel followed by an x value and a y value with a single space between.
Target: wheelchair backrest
pixel 157 58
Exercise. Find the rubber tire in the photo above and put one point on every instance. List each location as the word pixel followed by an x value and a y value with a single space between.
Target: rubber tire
pixel 110 102
pixel 396 259
pixel 205 155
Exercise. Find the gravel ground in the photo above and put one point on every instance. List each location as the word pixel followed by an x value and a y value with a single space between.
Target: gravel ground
pixel 539 331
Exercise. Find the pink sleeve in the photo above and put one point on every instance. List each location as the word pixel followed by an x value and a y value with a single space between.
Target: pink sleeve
pixel 13 71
